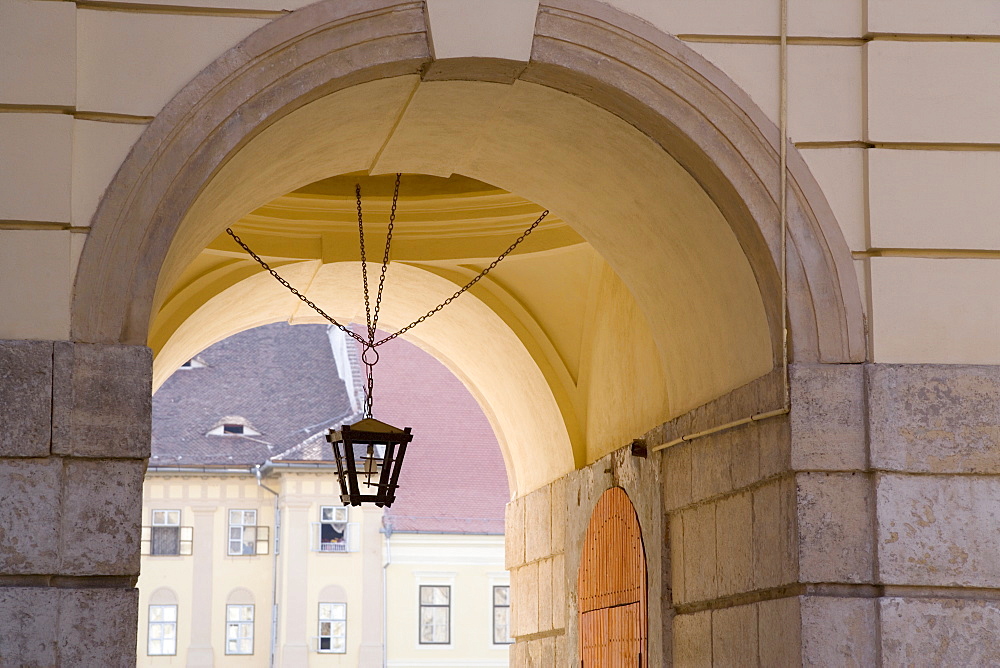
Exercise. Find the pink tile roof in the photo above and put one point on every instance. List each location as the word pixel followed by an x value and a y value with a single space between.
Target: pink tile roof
pixel 453 478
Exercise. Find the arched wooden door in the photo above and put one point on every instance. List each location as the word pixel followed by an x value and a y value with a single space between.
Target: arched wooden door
pixel 612 587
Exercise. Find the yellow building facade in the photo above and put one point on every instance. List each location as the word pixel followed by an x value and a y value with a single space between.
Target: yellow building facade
pixel 367 587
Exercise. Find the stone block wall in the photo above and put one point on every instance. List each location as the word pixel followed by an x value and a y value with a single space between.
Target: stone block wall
pixel 73 452
pixel 860 529
pixel 545 534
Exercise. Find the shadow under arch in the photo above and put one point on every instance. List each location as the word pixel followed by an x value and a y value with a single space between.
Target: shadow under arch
pixel 722 150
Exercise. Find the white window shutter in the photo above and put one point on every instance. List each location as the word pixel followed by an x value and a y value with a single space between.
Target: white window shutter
pixel 353 537
pixel 314 535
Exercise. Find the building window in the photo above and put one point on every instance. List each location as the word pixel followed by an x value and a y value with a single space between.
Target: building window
pixel 332 529
pixel 233 425
pixel 245 537
pixel 162 630
pixel 501 615
pixel 165 536
pixel 165 532
pixel 239 629
pixel 333 628
pixel 435 614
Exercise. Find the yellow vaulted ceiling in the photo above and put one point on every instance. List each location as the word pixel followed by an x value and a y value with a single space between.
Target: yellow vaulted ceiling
pixel 632 303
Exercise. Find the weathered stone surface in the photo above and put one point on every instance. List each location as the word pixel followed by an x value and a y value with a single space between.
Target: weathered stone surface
pixel 515 603
pixel 101 400
pixel 537 524
pixel 734 636
pixel 775 556
pixel 700 580
pixel 775 446
pixel 97 627
pixel 518 654
pixel 676 545
pixel 514 534
pixel 559 576
pixel 545 602
pixel 827 418
pixel 101 517
pixel 557 498
pixel 564 655
pixel 940 632
pixel 25 398
pixel 745 464
pixel 838 631
pixel 836 542
pixel 30 490
pixel 693 640
pixel 29 619
pixel 734 544
pixel 710 472
pixel 779 631
pixel 938 530
pixel 534 654
pixel 524 587
pixel 677 476
pixel 934 418
pixel 546 652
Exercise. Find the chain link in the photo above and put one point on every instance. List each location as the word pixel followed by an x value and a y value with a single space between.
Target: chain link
pixel 385 256
pixel 372 321
pixel 364 265
pixel 468 285
pixel 291 289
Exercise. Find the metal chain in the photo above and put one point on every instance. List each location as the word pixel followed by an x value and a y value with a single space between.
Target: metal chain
pixel 467 285
pixel 369 378
pixel 385 256
pixel 364 265
pixel 371 343
pixel 295 292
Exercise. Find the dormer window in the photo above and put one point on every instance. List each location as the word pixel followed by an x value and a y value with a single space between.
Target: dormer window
pixel 233 425
pixel 193 363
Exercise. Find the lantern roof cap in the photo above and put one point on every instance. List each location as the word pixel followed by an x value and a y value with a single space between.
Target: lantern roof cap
pixel 373 425
pixel 372 430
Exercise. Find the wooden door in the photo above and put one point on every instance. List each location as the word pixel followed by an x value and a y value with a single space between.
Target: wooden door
pixel 612 587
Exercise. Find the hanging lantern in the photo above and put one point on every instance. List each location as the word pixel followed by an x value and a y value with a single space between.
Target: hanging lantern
pixel 369 456
pixel 370 453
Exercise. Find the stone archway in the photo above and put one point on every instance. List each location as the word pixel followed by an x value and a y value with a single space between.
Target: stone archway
pixel 188 176
pixel 185 170
pixel 648 79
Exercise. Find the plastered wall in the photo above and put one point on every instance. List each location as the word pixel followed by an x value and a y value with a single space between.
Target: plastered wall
pixel 892 104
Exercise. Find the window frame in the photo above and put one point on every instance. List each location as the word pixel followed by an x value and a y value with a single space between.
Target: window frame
pixel 162 624
pixel 165 524
pixel 331 636
pixel 261 534
pixel 495 607
pixel 433 606
pixel 239 624
pixel 346 542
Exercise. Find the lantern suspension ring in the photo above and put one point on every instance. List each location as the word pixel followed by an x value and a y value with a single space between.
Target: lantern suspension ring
pixel 371 448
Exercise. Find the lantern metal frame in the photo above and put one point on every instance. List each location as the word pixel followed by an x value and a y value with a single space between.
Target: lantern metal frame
pixel 370 435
